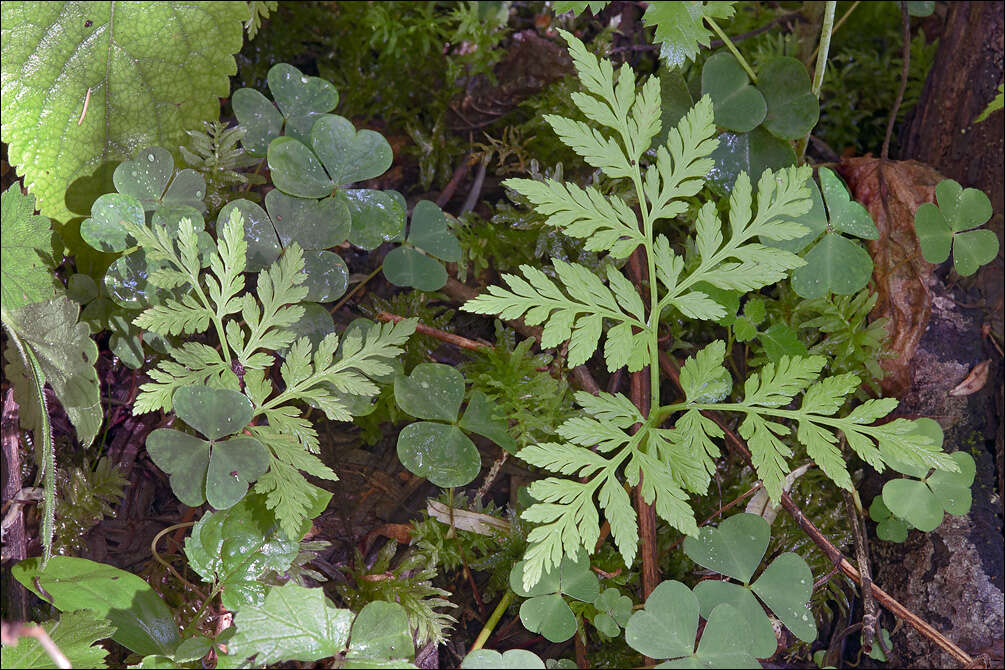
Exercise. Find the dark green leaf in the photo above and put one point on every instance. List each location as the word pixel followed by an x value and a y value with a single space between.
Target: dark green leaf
pixel 738 105
pixel 793 110
pixel 439 452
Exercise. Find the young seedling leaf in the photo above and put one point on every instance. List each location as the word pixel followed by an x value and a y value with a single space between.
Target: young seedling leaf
pixel 380 634
pixel 888 527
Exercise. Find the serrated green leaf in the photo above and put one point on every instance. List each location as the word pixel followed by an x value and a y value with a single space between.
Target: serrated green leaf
pixel 143 623
pixel 24 245
pixel 73 633
pixel 93 61
pixel 66 355
pixel 235 548
pixel 703 377
pixel 680 29
pixel 293 623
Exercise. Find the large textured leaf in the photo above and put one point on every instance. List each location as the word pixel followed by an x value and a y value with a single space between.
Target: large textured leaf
pixel 145 71
pixel 292 624
pixel 142 621
pixel 380 637
pixel 74 633
pixel 66 353
pixel 24 276
pixel 236 547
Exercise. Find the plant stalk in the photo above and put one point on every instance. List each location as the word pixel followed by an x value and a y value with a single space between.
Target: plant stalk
pixel 732 47
pixel 490 625
pixel 826 30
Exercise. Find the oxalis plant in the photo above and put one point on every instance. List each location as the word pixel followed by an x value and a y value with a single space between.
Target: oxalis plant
pixel 669 453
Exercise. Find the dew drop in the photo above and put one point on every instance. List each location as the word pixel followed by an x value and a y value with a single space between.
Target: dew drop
pixel 150 157
pixel 198 194
pixel 303 80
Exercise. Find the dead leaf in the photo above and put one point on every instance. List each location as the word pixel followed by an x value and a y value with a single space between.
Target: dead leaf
pixel 475 522
pixel 975 380
pixel 901 276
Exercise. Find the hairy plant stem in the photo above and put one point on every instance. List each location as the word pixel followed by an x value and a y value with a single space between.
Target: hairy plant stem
pixel 732 47
pixel 826 30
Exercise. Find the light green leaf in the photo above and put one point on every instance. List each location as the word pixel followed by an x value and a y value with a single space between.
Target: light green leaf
pixel 973 249
pixel 835 264
pixel 712 593
pixel 914 502
pixel 292 624
pixel 143 623
pixel 349 155
pixel 63 58
pixel 680 29
pixel 703 377
pixel 667 627
pixel 74 634
pixel 25 276
pixel 785 586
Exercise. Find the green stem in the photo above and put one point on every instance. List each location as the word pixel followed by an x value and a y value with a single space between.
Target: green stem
pixel 732 47
pixel 490 625
pixel 826 30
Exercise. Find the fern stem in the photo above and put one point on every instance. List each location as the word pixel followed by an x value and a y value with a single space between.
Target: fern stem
pixel 490 625
pixel 826 30
pixel 732 47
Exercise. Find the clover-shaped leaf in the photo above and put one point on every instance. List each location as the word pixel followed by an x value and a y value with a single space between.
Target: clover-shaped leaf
pixel 752 152
pixel 405 266
pixel 837 264
pixel 301 100
pixel 313 224
pixel 949 226
pixel 103 230
pixel 215 471
pixel 888 526
pixel 668 625
pixel 337 155
pixel 441 452
pixel 488 659
pixel 546 611
pixel 614 612
pixel 735 549
pixel 921 503
pixel 738 105
pixel 377 217
pixel 793 110
pixel 126 281
pixel 236 547
pixel 147 177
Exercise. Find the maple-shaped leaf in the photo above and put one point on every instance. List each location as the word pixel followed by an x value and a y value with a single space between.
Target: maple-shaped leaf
pixel 680 27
